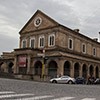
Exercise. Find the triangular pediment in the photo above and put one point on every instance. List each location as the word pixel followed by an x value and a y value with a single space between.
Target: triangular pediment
pixel 37 22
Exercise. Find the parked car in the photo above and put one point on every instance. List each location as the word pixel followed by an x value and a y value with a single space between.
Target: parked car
pixel 63 79
pixel 80 80
pixel 97 81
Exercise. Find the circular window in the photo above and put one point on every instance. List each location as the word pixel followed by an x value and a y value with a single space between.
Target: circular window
pixel 37 21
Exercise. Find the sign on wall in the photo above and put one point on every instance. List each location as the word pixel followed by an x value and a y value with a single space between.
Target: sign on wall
pixel 22 61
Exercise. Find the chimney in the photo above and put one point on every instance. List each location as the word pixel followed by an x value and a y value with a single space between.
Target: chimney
pixel 95 39
pixel 76 30
pixel 99 36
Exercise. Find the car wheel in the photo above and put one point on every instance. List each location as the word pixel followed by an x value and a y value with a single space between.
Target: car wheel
pixel 70 82
pixel 54 81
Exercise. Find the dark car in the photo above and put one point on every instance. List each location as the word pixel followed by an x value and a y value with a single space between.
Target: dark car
pixel 80 80
pixel 97 81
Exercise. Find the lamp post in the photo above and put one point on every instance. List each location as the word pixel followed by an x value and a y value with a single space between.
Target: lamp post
pixel 43 62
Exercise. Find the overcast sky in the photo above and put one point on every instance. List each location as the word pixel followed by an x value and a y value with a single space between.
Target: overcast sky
pixel 81 14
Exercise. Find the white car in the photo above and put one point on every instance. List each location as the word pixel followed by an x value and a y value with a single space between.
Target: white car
pixel 63 79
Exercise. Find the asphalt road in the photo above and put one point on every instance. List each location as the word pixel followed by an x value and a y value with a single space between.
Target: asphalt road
pixel 11 89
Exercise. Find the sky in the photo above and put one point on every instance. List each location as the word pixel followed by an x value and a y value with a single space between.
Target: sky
pixel 75 14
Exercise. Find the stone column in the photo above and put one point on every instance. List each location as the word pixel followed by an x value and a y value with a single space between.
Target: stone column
pixel 28 64
pixel 46 70
pixel 15 65
pixel 60 70
pixel 88 72
pixel 72 69
pixel 80 71
pixel 20 43
pixel 94 70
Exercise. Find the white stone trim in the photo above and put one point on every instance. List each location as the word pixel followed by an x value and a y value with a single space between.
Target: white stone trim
pixel 40 37
pixel 49 40
pixel 69 44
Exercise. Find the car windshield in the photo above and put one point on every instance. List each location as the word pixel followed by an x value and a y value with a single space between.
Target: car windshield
pixel 97 79
pixel 79 78
pixel 65 77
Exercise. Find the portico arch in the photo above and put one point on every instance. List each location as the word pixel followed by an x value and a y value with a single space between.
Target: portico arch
pixel 38 68
pixel 4 67
pixel 10 67
pixel 52 68
pixel 97 72
pixel 0 66
pixel 84 71
pixel 91 69
pixel 67 68
pixel 76 70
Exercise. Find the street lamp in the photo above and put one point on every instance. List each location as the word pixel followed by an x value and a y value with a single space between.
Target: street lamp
pixel 44 59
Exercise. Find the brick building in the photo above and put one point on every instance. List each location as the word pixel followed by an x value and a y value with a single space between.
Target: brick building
pixel 48 49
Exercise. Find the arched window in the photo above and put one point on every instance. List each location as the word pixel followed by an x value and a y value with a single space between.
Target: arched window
pixel 24 43
pixel 41 41
pixel 32 42
pixel 51 40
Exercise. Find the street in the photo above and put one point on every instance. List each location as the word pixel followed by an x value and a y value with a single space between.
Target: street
pixel 11 89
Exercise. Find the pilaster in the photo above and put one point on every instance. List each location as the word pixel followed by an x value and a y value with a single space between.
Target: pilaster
pixel 60 70
pixel 72 70
pixel 15 65
pixel 28 64
pixel 80 70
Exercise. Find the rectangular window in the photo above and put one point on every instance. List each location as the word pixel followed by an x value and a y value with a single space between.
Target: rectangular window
pixel 32 42
pixel 51 40
pixel 70 44
pixel 41 41
pixel 94 51
pixel 84 48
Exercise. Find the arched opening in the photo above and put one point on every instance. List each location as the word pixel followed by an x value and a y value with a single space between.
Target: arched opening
pixel 91 70
pixel 52 69
pixel 84 71
pixel 38 68
pixel 67 68
pixel 10 69
pixel 76 70
pixel 1 63
pixel 0 66
pixel 97 72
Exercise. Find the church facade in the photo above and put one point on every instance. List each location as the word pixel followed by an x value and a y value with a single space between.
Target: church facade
pixel 47 49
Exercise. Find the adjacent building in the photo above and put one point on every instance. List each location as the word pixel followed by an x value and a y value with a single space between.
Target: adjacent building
pixel 47 49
